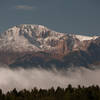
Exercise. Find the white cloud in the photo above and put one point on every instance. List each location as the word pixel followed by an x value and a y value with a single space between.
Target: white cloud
pixel 25 7
pixel 41 78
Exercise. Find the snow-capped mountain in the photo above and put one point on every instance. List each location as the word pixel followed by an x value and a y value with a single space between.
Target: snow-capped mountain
pixel 29 38
pixel 34 38
pixel 24 43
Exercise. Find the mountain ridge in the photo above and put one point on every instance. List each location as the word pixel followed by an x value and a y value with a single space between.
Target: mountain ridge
pixel 38 45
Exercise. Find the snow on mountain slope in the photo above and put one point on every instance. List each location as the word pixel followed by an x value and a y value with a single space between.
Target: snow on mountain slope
pixel 82 38
pixel 35 45
pixel 28 37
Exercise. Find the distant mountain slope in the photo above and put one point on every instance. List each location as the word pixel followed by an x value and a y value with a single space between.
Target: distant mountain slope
pixel 35 45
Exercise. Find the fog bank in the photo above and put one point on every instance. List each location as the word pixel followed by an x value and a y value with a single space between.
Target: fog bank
pixel 42 78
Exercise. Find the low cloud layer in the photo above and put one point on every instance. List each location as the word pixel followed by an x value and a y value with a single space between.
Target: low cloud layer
pixel 41 78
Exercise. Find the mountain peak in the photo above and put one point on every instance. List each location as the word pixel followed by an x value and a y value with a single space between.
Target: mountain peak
pixel 27 28
pixel 30 37
pixel 35 41
pixel 31 25
pixel 31 30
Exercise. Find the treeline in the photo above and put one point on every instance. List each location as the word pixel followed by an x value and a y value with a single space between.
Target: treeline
pixel 69 93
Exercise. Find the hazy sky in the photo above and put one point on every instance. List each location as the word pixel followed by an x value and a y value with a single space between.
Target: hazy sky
pixel 59 15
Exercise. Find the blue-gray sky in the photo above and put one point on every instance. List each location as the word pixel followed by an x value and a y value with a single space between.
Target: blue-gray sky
pixel 59 15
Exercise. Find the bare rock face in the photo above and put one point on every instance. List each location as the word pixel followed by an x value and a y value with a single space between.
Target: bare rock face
pixel 36 45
